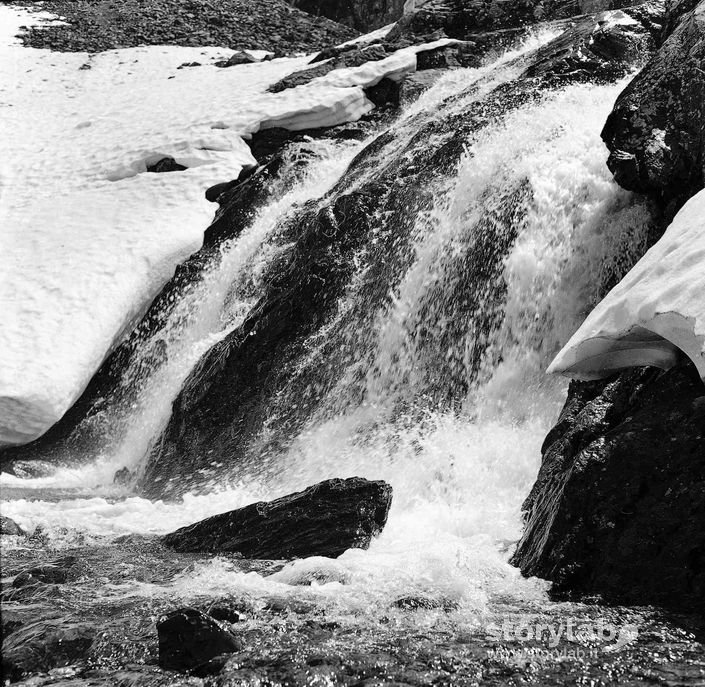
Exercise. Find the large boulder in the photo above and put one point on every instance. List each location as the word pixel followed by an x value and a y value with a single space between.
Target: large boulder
pixel 618 507
pixel 656 132
pixel 326 519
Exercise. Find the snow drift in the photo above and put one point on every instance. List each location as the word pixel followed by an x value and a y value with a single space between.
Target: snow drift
pixel 89 236
pixel 654 313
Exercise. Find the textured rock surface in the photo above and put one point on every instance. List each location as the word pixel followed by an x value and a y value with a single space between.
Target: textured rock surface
pixel 363 15
pixel 189 639
pixel 618 508
pixel 326 519
pixel 656 132
pixel 96 25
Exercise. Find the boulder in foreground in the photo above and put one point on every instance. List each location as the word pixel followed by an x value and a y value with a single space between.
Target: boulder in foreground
pixel 326 519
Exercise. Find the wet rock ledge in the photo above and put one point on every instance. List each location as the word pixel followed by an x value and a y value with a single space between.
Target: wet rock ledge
pixel 326 519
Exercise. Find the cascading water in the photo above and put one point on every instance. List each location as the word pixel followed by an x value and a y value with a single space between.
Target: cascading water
pixel 459 469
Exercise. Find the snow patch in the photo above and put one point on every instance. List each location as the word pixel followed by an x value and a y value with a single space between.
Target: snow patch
pixel 654 313
pixel 88 239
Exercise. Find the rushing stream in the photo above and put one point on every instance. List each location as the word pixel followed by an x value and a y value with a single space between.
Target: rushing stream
pixel 460 468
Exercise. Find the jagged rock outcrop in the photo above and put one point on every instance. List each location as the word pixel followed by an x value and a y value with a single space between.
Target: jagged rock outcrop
pixel 326 519
pixel 656 132
pixel 264 373
pixel 363 15
pixel 618 507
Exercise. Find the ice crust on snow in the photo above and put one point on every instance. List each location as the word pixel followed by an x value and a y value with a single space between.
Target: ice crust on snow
pixel 87 236
pixel 656 312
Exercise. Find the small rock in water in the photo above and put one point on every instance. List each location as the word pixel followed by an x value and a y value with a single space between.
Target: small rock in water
pixel 122 477
pixel 189 639
pixel 10 527
pixel 326 519
pixel 425 603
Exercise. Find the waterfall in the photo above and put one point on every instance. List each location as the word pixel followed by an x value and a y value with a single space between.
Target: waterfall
pixel 444 395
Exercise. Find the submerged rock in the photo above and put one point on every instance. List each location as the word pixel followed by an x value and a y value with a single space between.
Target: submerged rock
pixel 56 572
pixel 9 527
pixel 189 639
pixel 326 519
pixel 656 131
pixel 618 507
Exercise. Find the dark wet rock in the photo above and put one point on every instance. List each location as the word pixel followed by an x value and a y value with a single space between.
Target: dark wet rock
pixel 41 646
pixel 217 190
pixel 326 519
pixel 601 48
pixel 189 64
pixel 57 572
pixel 9 527
pixel 189 639
pixel 386 93
pixel 239 57
pixel 363 15
pixel 676 10
pixel 123 477
pixel 618 507
pixel 229 611
pixel 349 58
pixel 655 132
pixel 166 164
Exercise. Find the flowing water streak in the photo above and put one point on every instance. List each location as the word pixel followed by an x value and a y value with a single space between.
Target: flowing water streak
pixel 459 477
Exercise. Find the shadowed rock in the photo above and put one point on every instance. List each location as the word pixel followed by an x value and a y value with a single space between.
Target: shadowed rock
pixel 326 519
pixel 618 508
pixel 189 639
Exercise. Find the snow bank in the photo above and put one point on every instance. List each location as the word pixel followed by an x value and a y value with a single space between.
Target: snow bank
pixel 657 310
pixel 87 235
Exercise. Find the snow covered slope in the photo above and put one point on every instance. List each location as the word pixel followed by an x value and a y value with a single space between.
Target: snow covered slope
pixel 87 235
pixel 657 309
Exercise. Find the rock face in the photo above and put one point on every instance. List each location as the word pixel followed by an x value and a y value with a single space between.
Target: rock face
pixel 363 15
pixel 188 639
pixel 326 519
pixel 656 132
pixel 618 507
